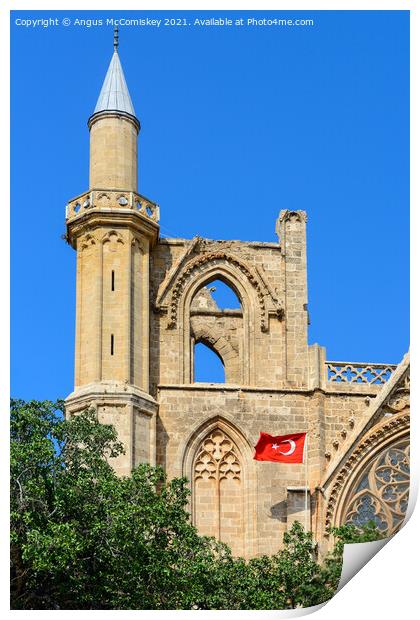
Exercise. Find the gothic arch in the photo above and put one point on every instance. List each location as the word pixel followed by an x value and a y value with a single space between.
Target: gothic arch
pixel 112 236
pixel 380 491
pixel 215 340
pixel 293 216
pixel 227 267
pixel 218 462
pixel 369 464
pixel 87 241
pixel 137 243
pixel 212 339
pixel 234 278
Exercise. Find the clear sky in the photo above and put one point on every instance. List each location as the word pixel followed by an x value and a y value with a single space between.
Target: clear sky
pixel 237 124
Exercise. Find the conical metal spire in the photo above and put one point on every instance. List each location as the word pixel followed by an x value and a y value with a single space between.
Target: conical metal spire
pixel 114 95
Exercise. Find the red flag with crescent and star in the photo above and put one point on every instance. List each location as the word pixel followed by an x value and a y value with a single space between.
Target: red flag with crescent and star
pixel 281 448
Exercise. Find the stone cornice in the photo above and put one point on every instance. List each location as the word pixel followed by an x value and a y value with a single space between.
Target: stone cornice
pixel 225 387
pixel 107 393
pixel 104 114
pixel 123 218
pixel 261 245
pixel 171 290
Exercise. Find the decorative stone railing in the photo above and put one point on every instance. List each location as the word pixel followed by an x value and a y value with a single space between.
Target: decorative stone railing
pixel 348 372
pixel 111 199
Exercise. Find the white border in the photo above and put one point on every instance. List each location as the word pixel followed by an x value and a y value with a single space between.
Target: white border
pixel 388 585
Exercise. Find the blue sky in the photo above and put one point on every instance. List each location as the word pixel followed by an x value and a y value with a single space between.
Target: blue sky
pixel 237 124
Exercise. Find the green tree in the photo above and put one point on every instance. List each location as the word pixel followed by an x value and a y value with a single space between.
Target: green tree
pixel 84 538
pixel 285 580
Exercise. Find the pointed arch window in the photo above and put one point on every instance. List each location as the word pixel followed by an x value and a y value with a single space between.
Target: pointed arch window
pixel 380 493
pixel 218 490
pixel 217 333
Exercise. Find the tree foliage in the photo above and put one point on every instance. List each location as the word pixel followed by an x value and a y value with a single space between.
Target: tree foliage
pixel 83 538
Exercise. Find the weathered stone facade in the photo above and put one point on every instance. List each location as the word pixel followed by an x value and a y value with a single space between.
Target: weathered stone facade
pixel 143 302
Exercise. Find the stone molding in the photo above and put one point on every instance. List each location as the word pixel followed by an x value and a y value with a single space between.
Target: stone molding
pixel 110 393
pixel 288 216
pixel 388 431
pixel 90 222
pixel 176 284
pixel 114 114
pixel 393 397
pixel 111 199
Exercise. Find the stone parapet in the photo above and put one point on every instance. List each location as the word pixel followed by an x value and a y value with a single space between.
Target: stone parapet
pixel 361 373
pixel 111 199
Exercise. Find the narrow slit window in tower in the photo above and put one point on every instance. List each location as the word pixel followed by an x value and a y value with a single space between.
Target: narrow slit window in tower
pixel 112 344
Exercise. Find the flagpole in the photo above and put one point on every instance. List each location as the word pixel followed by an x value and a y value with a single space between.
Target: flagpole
pixel 306 481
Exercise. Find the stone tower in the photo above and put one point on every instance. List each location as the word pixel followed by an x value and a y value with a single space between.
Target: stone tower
pixel 113 228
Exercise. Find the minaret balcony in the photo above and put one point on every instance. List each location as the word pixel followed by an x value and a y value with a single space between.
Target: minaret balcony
pixel 106 200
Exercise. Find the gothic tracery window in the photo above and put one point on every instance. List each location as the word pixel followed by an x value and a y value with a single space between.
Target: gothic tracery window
pixel 381 490
pixel 218 490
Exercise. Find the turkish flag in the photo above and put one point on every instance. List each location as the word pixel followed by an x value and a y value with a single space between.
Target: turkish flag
pixel 281 448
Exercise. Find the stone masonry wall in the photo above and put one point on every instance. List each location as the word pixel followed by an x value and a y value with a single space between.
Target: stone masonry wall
pixel 275 383
pixel 264 333
pixel 185 410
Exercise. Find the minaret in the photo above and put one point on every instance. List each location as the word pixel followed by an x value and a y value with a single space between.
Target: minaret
pixel 113 228
pixel 113 130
